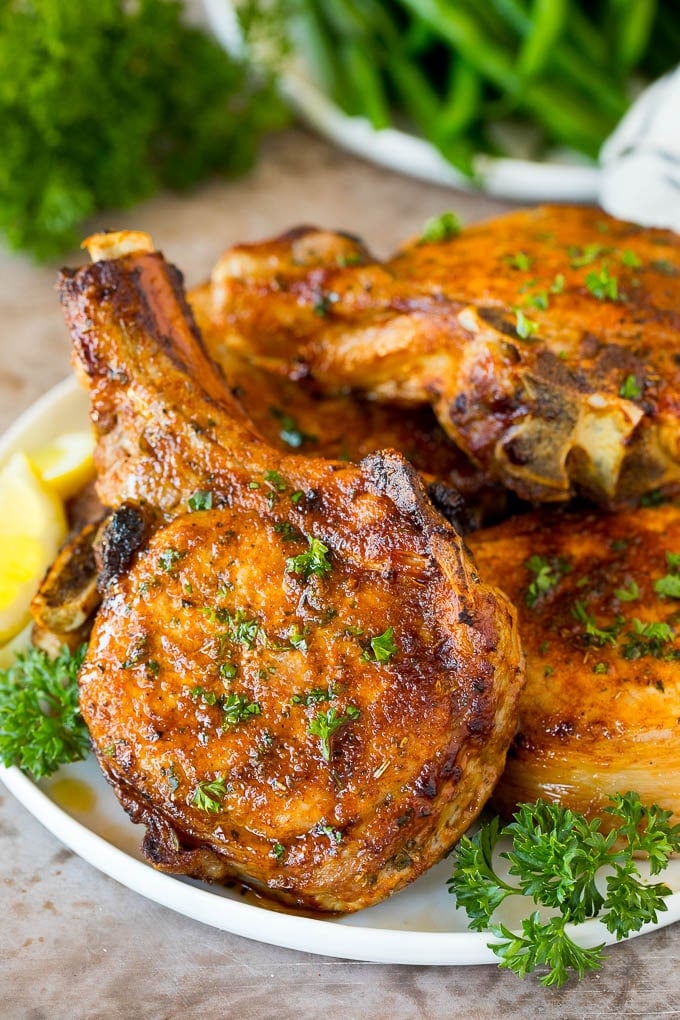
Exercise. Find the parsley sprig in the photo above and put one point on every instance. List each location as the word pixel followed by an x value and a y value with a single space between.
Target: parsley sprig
pixel 40 725
pixel 380 648
pixel 556 858
pixel 547 575
pixel 314 561
pixel 324 725
pixel 209 794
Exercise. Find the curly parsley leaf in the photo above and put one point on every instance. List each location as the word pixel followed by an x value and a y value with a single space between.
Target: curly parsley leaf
pixel 542 944
pixel 556 860
pixel 314 561
pixel 547 575
pixel 381 648
pixel 208 795
pixel 324 725
pixel 40 724
pixel 440 228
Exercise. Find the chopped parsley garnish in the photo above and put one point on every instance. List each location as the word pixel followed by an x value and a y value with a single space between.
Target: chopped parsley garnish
pixel 629 593
pixel 136 652
pixel 334 835
pixel 227 670
pixel 297 638
pixel 40 724
pixel 276 481
pixel 296 496
pixel 381 648
pixel 601 667
pixel 665 268
pixel 315 696
pixel 208 795
pixel 324 725
pixel 596 635
pixel 314 561
pixel 324 302
pixel 547 575
pixel 579 257
pixel 169 558
pixel 278 851
pixel 520 260
pixel 669 586
pixel 524 327
pixel 352 258
pixel 288 532
pixel 290 433
pixel 555 860
pixel 242 630
pixel 207 697
pixel 538 300
pixel 440 228
pixel 649 639
pixel 201 500
pixel 238 709
pixel 654 498
pixel 629 258
pixel 603 285
pixel 629 388
pixel 557 286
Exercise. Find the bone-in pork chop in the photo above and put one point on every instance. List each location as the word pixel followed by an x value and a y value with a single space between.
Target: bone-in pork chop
pixel 297 677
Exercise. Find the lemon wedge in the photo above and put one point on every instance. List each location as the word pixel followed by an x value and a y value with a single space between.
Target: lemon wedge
pixel 32 527
pixel 66 464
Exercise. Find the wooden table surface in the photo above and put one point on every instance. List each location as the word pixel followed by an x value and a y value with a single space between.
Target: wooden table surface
pixel 75 944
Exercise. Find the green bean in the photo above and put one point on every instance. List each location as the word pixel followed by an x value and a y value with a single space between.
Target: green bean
pixel 417 95
pixel 318 51
pixel 458 29
pixel 569 121
pixel 366 85
pixel 344 19
pixel 586 37
pixel 460 153
pixel 547 25
pixel 494 29
pixel 462 101
pixel 634 23
pixel 418 38
pixel 570 63
pixel 454 66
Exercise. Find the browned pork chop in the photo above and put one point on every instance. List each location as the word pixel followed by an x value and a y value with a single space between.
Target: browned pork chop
pixel 547 341
pixel 599 607
pixel 298 680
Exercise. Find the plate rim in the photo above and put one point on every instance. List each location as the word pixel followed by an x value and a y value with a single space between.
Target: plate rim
pixel 290 931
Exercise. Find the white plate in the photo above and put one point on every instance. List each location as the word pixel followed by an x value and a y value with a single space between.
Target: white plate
pixel 419 925
pixel 567 179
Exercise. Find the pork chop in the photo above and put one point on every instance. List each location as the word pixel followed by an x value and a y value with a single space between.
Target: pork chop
pixel 598 598
pixel 547 341
pixel 297 679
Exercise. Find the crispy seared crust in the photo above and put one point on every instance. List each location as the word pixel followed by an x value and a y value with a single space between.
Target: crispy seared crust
pixel 348 427
pixel 593 721
pixel 407 774
pixel 545 415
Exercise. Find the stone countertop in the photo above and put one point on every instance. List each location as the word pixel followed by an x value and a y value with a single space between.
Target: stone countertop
pixel 73 943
